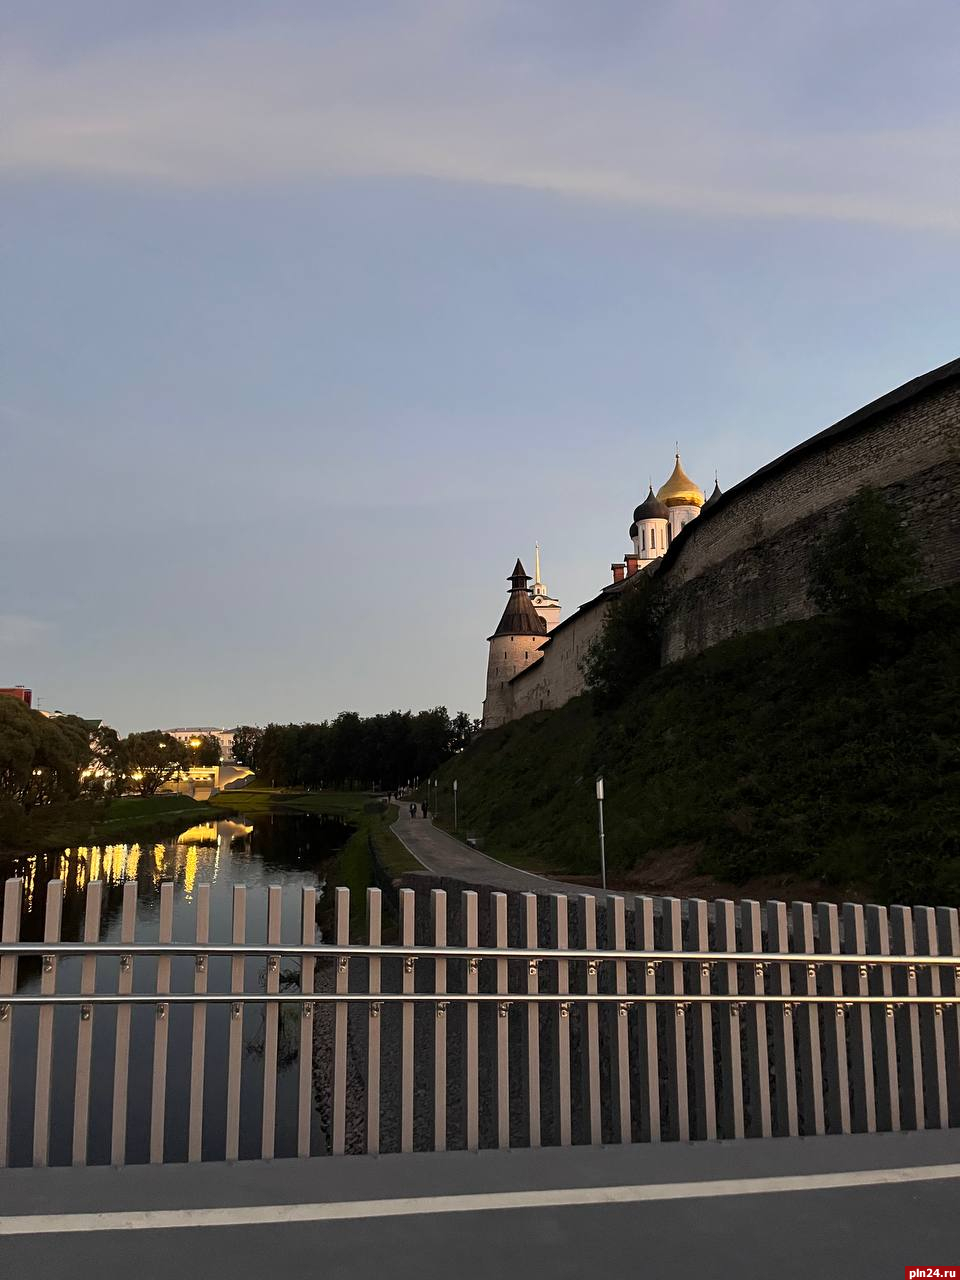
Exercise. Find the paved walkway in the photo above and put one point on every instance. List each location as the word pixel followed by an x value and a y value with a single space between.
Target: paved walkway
pixel 847 1208
pixel 443 855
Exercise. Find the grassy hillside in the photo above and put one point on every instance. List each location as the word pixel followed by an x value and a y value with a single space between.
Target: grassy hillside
pixel 774 754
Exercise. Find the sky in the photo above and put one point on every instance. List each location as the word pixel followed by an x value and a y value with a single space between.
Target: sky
pixel 315 315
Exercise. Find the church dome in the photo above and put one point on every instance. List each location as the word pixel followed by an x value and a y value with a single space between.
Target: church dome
pixel 650 509
pixel 634 531
pixel 680 491
pixel 717 491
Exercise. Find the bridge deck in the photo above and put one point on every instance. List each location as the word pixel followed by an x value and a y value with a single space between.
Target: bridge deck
pixel 785 1207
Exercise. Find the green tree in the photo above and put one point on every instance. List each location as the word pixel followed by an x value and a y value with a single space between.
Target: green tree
pixel 41 759
pixel 246 744
pixel 153 758
pixel 206 752
pixel 108 759
pixel 628 647
pixel 866 571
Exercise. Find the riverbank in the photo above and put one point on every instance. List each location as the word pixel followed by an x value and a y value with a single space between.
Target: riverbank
pixel 92 822
pixel 371 855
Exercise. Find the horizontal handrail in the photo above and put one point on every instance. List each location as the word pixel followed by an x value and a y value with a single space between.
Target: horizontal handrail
pixel 481 997
pixel 334 951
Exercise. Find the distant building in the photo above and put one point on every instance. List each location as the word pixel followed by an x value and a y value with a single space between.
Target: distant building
pixel 20 693
pixel 192 736
pixel 92 723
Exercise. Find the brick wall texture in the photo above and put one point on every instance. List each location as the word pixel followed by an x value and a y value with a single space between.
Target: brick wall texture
pixel 743 565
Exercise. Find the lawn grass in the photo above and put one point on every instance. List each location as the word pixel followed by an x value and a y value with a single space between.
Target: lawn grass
pixel 131 810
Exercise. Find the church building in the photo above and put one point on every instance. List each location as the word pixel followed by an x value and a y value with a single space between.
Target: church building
pixel 532 615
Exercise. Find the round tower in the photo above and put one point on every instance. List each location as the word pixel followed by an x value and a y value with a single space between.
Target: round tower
pixel 513 647
pixel 649 529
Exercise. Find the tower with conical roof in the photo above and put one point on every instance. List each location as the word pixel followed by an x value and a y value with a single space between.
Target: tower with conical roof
pixel 544 603
pixel 513 647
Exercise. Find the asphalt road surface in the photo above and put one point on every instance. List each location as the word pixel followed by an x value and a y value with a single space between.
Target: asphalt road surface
pixel 864 1207
pixel 443 855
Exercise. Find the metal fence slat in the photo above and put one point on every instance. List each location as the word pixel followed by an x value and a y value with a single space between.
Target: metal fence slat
pixel 471 1056
pixel 885 1062
pixel 48 985
pixel 88 984
pixel 199 1030
pixel 161 1031
pixel 784 1055
pixel 808 1026
pixel 235 1034
pixel 704 1083
pixel 616 912
pixel 407 938
pixel 677 1023
pixel 498 903
pixel 931 1025
pixel 561 941
pixel 271 1019
pixel 533 1020
pixel 588 907
pixel 342 927
pixel 9 932
pixel 374 917
pixel 908 1017
pixel 862 1074
pixel 837 1100
pixel 731 1058
pixel 121 1053
pixel 438 898
pixel 308 966
pixel 948 930
pixel 650 1125
pixel 755 1027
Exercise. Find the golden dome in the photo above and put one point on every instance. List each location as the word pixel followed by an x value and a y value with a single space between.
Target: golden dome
pixel 680 491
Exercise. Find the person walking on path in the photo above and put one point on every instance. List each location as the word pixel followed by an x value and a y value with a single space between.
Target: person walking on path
pixel 423 808
pixel 413 810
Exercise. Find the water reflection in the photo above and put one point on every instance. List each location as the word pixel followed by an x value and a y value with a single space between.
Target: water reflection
pixel 290 850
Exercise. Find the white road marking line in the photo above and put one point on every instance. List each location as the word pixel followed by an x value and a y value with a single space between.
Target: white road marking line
pixel 346 1210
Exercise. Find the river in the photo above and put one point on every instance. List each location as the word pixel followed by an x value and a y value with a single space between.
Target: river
pixel 289 850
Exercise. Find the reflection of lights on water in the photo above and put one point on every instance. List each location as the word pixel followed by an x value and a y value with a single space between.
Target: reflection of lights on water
pixel 194 856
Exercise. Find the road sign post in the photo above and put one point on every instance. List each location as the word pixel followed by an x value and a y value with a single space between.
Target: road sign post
pixel 603 853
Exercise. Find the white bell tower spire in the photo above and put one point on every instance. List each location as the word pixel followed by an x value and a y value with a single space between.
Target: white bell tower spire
pixel 543 602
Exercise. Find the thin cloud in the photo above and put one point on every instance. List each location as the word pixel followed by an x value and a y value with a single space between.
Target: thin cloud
pixel 424 91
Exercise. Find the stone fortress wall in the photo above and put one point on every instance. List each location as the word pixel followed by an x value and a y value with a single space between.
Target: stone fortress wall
pixel 742 565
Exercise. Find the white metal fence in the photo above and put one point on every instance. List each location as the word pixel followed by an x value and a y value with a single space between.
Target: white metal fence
pixel 528 1020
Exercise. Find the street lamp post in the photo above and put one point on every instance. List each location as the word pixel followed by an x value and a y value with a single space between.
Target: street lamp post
pixel 603 854
pixel 456 824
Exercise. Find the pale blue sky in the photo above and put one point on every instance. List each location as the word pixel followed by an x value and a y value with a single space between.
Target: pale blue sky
pixel 315 315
